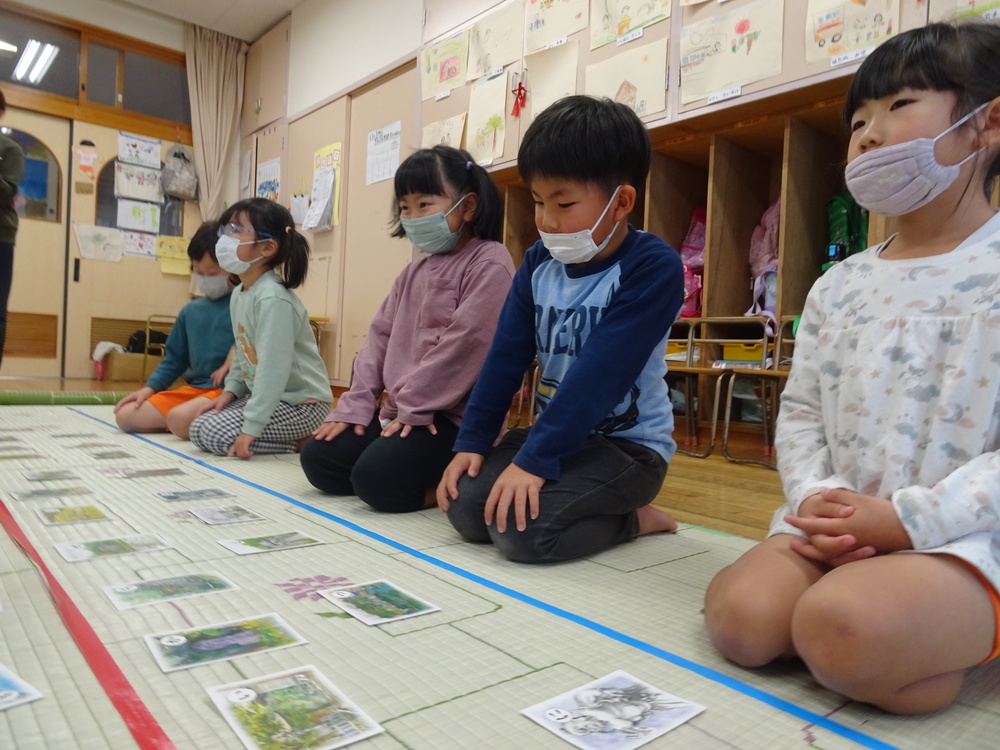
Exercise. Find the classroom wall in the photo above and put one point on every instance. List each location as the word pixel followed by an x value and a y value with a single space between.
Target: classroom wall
pixel 120 18
pixel 336 44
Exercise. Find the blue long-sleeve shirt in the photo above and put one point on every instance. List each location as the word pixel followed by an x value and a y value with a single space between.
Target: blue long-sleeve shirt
pixel 599 333
pixel 197 346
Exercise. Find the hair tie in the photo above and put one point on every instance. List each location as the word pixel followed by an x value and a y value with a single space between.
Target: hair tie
pixel 468 166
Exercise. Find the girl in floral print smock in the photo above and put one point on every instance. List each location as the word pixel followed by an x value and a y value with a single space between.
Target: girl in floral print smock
pixel 889 430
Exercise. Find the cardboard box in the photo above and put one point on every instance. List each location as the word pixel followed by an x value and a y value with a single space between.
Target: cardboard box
pixel 128 366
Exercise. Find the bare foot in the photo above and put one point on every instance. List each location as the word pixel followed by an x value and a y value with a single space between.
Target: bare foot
pixel 430 498
pixel 300 442
pixel 653 521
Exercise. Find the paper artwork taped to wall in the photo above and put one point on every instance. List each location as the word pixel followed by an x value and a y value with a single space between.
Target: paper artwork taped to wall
pixel 444 132
pixel 553 75
pixel 138 183
pixel 835 27
pixel 635 77
pixel 139 244
pixel 139 216
pixel 611 19
pixel 988 8
pixel 548 21
pixel 487 119
pixel 99 243
pixel 496 40
pixel 443 65
pixel 731 49
pixel 133 149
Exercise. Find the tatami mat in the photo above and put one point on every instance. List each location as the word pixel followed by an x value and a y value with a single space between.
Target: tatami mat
pixel 507 636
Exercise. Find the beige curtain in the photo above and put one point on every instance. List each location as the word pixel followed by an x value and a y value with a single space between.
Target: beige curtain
pixel 216 65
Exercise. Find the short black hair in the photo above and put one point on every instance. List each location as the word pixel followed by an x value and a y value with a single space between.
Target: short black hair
pixel 203 242
pixel 452 172
pixel 273 220
pixel 596 141
pixel 963 58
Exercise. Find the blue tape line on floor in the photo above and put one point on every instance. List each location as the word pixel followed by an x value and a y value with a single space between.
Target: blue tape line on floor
pixel 699 669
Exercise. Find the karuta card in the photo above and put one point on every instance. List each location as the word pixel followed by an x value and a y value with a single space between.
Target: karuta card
pixel 102 455
pixel 126 545
pixel 192 495
pixel 184 649
pixel 269 543
pixel 377 602
pixel 128 472
pixel 49 475
pixel 223 514
pixel 616 711
pixel 14 691
pixel 140 593
pixel 70 514
pixel 50 492
pixel 297 708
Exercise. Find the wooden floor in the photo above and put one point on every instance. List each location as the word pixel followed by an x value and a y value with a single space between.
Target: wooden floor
pixel 711 492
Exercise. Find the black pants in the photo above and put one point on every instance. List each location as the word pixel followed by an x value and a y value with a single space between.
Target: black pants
pixel 391 474
pixel 6 275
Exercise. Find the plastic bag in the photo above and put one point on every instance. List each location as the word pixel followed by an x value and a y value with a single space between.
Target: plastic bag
pixel 179 176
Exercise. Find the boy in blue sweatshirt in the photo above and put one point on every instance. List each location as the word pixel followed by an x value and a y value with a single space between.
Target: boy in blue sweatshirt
pixel 594 301
pixel 199 349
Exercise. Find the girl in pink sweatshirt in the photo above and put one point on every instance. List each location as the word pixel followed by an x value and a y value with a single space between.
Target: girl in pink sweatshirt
pixel 426 344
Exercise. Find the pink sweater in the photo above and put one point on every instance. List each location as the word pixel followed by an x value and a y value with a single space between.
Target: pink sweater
pixel 427 342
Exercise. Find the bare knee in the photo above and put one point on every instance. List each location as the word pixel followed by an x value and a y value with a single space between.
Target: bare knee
pixel 748 626
pixel 178 424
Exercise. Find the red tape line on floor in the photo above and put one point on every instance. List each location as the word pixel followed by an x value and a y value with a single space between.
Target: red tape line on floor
pixel 140 722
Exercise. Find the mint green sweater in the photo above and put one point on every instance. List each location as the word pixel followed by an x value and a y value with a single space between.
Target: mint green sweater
pixel 276 354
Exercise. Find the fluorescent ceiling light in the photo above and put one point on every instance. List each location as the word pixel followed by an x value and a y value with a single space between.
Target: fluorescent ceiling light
pixel 49 52
pixel 30 50
pixel 7 47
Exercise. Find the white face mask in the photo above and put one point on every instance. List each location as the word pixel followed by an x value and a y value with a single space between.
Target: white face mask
pixel 226 248
pixel 578 247
pixel 213 287
pixel 901 178
pixel 431 234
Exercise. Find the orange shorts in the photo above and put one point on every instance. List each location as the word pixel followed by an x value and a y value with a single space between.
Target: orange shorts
pixel 994 600
pixel 164 401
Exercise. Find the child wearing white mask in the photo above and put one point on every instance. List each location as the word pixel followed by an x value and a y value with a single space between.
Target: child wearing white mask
pixel 426 343
pixel 199 349
pixel 594 301
pixel 278 389
pixel 889 428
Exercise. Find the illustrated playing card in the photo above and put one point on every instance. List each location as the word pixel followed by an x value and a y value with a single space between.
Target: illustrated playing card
pixel 14 691
pixel 140 593
pixel 127 472
pixel 126 545
pixel 269 543
pixel 49 475
pixel 70 514
pixel 192 495
pixel 280 709
pixel 615 712
pixel 377 602
pixel 222 514
pixel 50 492
pixel 184 649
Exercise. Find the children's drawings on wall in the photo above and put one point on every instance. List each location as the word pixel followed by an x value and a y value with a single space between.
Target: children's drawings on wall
pixel 269 179
pixel 989 8
pixel 139 244
pixel 444 132
pixel 635 77
pixel 135 150
pixel 442 65
pixel 834 27
pixel 87 156
pixel 99 243
pixel 487 119
pixel 496 40
pixel 140 217
pixel 610 19
pixel 731 49
pixel 138 183
pixel 552 73
pixel 172 252
pixel 546 21
pixel 692 2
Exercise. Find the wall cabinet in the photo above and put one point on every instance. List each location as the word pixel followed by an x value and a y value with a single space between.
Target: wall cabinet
pixel 265 91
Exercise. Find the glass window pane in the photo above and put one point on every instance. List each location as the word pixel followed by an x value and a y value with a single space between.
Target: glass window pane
pixel 102 74
pixel 171 210
pixel 38 194
pixel 54 63
pixel 157 88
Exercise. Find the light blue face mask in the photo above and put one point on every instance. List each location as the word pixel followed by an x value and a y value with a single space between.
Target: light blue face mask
pixel 431 234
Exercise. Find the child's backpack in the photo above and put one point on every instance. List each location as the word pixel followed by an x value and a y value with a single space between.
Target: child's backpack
pixel 137 342
pixel 847 223
pixel 764 266
pixel 693 247
pixel 691 308
pixel 179 176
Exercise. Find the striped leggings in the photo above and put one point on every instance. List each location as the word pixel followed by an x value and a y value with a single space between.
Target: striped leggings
pixel 216 432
